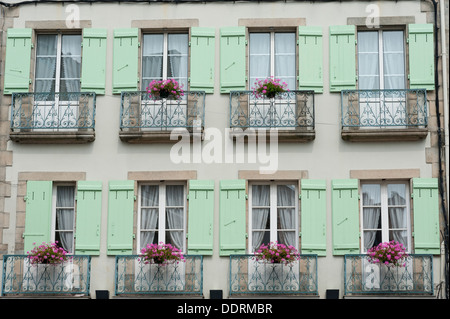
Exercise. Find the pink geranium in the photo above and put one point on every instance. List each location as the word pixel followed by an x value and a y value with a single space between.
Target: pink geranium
pixel 161 254
pixel 390 253
pixel 48 254
pixel 269 87
pixel 277 253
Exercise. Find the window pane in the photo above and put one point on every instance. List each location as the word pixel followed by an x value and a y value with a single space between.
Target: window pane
pixel 152 58
pixel 368 61
pixel 393 60
pixel 396 194
pixel 177 58
pixel 285 58
pixel 371 215
pixel 70 64
pixel 259 56
pixel 46 63
pixel 65 217
pixel 149 215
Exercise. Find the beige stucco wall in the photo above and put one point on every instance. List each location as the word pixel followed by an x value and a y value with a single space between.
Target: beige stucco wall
pixel 107 158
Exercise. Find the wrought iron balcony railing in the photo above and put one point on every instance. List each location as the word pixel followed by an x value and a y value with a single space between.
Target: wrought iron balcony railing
pixel 249 276
pixel 134 276
pixel 363 277
pixel 20 277
pixel 288 110
pixel 395 109
pixel 140 111
pixel 53 111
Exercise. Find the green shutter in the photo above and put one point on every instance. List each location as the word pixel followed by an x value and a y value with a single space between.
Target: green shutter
pixel 421 56
pixel 120 217
pixel 342 58
pixel 202 59
pixel 232 217
pixel 426 216
pixel 38 214
pixel 232 59
pixel 345 219
pixel 313 217
pixel 93 66
pixel 17 61
pixel 310 58
pixel 125 60
pixel 201 216
pixel 89 211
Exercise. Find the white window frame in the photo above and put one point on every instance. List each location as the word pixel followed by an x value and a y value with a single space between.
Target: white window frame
pixel 162 212
pixel 273 215
pixel 384 215
pixel 54 208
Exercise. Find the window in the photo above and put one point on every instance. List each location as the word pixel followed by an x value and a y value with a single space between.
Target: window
pixel 164 56
pixel 64 216
pixel 162 215
pixel 273 214
pixel 385 213
pixel 58 63
pixel 381 60
pixel 273 54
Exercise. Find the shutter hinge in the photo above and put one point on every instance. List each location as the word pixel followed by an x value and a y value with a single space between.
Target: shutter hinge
pixel 299 196
pixel 187 196
pixel 187 235
pixel 25 198
pixel 246 197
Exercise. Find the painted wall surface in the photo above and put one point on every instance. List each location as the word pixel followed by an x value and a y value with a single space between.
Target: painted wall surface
pixel 108 158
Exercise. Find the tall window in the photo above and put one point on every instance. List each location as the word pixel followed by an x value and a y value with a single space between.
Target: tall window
pixel 381 60
pixel 385 213
pixel 162 215
pixel 164 56
pixel 273 54
pixel 58 63
pixel 273 214
pixel 64 216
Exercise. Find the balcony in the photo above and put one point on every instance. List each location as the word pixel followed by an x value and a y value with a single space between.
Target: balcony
pixel 135 277
pixel 364 278
pixel 144 119
pixel 53 117
pixel 384 115
pixel 251 277
pixel 21 278
pixel 291 114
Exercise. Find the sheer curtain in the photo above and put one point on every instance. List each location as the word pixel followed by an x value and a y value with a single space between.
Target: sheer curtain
pixel 175 215
pixel 177 58
pixel 152 58
pixel 149 214
pixel 368 61
pixel 393 60
pixel 260 215
pixel 371 196
pixel 397 213
pixel 286 214
pixel 70 63
pixel 259 57
pixel 46 52
pixel 65 217
pixel 285 58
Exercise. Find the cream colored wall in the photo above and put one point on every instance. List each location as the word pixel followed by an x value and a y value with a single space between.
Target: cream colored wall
pixel 107 158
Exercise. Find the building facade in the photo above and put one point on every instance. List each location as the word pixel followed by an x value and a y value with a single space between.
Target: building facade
pixel 352 154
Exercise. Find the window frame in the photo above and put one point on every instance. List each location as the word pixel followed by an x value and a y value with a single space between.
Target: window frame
pixel 273 230
pixel 59 35
pixel 272 31
pixel 162 229
pixel 165 32
pixel 384 210
pixel 54 229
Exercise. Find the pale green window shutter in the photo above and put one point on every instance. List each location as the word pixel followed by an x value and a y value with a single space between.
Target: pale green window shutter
pixel 17 61
pixel 232 217
pixel 202 59
pixel 38 214
pixel 89 211
pixel 232 59
pixel 345 218
pixel 421 56
pixel 120 217
pixel 125 60
pixel 93 66
pixel 342 58
pixel 310 58
pixel 201 217
pixel 426 216
pixel 313 217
